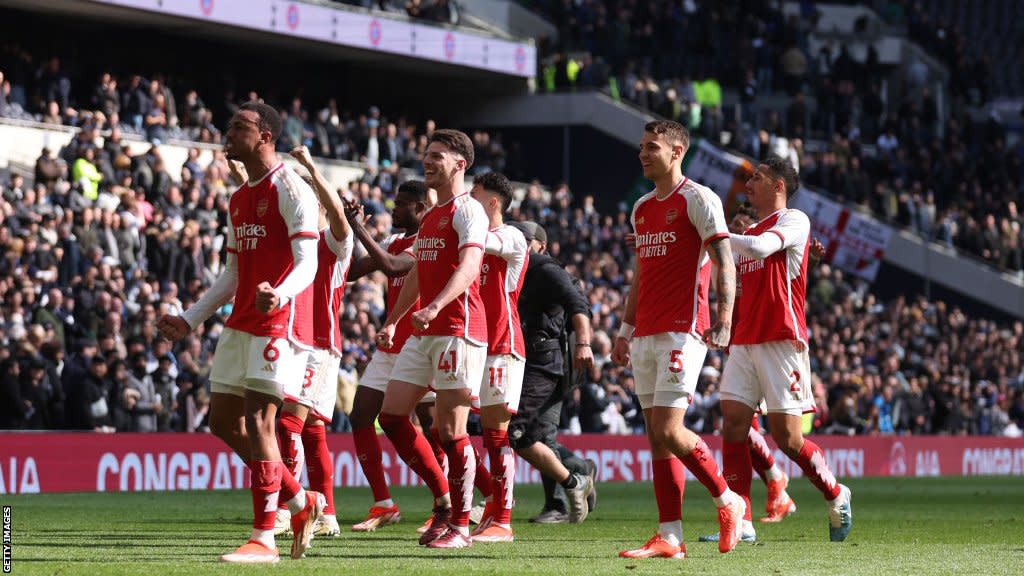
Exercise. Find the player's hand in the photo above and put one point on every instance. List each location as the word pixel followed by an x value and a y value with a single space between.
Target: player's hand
pixel 422 318
pixel 238 171
pixel 353 210
pixel 583 358
pixel 172 327
pixel 740 222
pixel 266 298
pixel 631 240
pixel 301 153
pixel 386 336
pixel 620 352
pixel 817 251
pixel 717 337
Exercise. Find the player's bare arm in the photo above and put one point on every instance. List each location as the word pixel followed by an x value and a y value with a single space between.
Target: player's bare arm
pixel 620 350
pixel 721 255
pixel 406 298
pixel 470 259
pixel 331 202
pixel 377 258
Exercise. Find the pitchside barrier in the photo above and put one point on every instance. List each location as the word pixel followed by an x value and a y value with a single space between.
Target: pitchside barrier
pixel 83 462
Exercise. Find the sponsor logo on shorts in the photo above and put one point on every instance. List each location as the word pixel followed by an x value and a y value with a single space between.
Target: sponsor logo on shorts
pixel 268 367
pixel 673 379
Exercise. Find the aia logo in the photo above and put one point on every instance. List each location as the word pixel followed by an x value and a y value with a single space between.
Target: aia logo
pixel 375 32
pixel 671 216
pixel 261 207
pixel 520 59
pixel 206 6
pixel 449 45
pixel 293 16
pixel 898 459
pixel 442 223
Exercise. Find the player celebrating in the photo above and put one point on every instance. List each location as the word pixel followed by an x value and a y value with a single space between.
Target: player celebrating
pixel 678 226
pixel 769 357
pixel 448 346
pixel 395 256
pixel 261 355
pixel 301 432
pixel 501 281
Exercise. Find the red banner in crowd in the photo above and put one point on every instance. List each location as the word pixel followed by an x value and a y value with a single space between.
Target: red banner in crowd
pixel 66 462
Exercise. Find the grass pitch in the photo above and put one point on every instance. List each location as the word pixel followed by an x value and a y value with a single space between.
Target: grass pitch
pixel 901 526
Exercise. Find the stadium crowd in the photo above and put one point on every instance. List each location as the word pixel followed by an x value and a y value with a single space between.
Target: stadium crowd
pixel 102 242
pixel 947 180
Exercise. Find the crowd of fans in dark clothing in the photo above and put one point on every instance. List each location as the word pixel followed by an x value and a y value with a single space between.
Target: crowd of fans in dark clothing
pixel 950 180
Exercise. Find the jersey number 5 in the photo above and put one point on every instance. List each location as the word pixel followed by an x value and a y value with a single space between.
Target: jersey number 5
pixel 675 361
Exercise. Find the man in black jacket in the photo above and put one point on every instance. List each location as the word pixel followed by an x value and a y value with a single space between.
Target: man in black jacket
pixel 548 298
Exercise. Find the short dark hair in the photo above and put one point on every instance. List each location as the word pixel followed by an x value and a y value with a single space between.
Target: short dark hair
pixel 674 132
pixel 456 141
pixel 269 120
pixel 496 183
pixel 415 188
pixel 782 169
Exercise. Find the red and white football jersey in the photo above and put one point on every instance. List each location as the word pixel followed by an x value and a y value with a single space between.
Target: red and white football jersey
pixel 396 244
pixel 672 235
pixel 263 219
pixel 771 293
pixel 447 229
pixel 501 281
pixel 333 260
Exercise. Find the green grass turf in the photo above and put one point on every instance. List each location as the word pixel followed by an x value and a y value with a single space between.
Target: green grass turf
pixel 901 526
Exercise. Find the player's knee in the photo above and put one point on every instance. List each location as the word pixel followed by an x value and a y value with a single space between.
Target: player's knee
pixel 361 418
pixel 790 444
pixel 735 431
pixel 390 423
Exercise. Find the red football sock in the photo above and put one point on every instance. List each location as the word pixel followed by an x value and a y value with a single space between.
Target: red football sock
pixel 701 463
pixel 669 484
pixel 812 461
pixel 415 451
pixel 289 440
pixel 266 485
pixel 435 444
pixel 318 463
pixel 503 473
pixel 461 470
pixel 736 461
pixel 482 479
pixel 371 459
pixel 760 454
pixel 290 486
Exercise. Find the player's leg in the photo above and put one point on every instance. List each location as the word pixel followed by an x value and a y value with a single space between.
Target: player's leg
pixel 499 398
pixel 452 414
pixel 778 504
pixel 425 411
pixel 787 393
pixel 412 372
pixel 677 361
pixel 320 398
pixel 736 462
pixel 289 441
pixel 227 422
pixel 227 392
pixel 669 476
pixel 366 406
pixel 321 473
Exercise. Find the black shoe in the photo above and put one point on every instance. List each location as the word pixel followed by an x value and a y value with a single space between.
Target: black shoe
pixel 550 517
pixel 592 472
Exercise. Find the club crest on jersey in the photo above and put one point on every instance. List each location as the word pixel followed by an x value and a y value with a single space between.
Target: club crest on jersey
pixel 442 223
pixel 261 207
pixel 234 215
pixel 671 216
pixel 640 221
